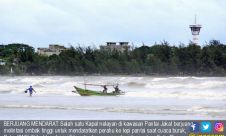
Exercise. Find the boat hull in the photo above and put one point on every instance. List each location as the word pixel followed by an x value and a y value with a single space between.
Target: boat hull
pixel 85 92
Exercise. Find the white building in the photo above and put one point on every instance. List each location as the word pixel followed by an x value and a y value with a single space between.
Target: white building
pixel 195 30
pixel 53 49
pixel 113 46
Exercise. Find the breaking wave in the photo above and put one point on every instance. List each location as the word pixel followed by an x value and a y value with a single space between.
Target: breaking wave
pixel 208 95
pixel 152 87
pixel 155 110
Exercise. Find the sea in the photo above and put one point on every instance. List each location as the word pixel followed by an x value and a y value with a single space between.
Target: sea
pixel 145 98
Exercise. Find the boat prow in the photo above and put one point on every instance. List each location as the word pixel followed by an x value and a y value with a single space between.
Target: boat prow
pixel 86 92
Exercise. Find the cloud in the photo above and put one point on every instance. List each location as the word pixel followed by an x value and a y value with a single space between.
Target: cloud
pixel 40 22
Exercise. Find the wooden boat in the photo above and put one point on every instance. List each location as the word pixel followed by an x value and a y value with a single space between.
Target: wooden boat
pixel 86 92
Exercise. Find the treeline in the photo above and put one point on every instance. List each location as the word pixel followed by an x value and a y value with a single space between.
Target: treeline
pixel 158 59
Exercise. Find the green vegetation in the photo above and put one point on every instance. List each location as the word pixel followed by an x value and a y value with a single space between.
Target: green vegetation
pixel 159 59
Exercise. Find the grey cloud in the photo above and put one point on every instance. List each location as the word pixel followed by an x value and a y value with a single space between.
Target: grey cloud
pixel 40 22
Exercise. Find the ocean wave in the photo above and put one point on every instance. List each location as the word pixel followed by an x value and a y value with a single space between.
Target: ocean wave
pixel 188 77
pixel 105 109
pixel 186 85
pixel 155 109
pixel 182 78
pixel 205 95
pixel 172 87
pixel 135 84
pixel 206 109
pixel 5 92
pixel 199 78
pixel 38 80
pixel 38 85
pixel 12 80
pixel 159 79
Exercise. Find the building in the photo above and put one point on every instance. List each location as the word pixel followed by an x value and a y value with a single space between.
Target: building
pixel 53 49
pixel 113 46
pixel 195 30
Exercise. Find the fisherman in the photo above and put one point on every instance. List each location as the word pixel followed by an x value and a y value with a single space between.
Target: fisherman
pixel 117 90
pixel 105 89
pixel 31 90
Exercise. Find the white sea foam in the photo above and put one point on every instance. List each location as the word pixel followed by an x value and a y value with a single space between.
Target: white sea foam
pixel 159 79
pixel 208 95
pixel 187 85
pixel 182 78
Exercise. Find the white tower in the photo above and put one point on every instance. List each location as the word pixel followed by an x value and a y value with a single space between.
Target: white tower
pixel 195 30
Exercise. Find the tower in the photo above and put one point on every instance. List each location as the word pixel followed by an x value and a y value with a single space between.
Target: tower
pixel 195 30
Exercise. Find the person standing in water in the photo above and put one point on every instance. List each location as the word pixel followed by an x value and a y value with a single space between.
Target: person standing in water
pixel 31 90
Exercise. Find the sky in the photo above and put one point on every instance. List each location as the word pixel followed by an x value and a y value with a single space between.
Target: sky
pixel 94 22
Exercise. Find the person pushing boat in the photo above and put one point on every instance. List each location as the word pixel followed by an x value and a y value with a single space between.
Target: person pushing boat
pixel 117 90
pixel 105 89
pixel 31 90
